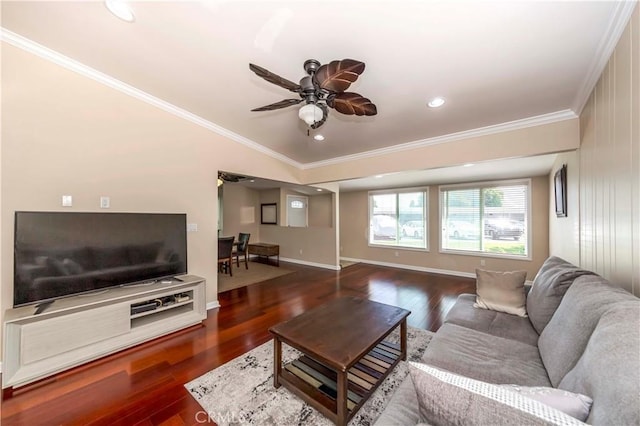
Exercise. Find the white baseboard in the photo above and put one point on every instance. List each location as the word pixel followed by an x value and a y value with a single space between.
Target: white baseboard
pixel 317 265
pixel 413 268
pixel 419 268
pixel 213 305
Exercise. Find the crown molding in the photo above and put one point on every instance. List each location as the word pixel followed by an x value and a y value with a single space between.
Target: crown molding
pixel 86 71
pixel 618 22
pixel 538 120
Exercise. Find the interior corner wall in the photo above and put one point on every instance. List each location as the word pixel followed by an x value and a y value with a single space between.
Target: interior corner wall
pixel 564 232
pixel 64 133
pixel 610 167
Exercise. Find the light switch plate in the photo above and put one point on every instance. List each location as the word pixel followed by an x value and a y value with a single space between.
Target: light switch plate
pixel 192 227
pixel 105 202
pixel 67 201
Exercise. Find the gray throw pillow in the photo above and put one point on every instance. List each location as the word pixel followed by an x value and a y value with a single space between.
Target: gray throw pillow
pixel 501 291
pixel 445 398
pixel 549 286
pixel 574 404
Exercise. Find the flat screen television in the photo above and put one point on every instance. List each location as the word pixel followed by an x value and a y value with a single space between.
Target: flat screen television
pixel 59 254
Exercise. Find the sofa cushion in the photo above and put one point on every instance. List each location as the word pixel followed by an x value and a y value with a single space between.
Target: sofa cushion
pixel 499 324
pixel 445 398
pixel 613 351
pixel 402 408
pixel 565 337
pixel 501 291
pixel 549 286
pixel 485 357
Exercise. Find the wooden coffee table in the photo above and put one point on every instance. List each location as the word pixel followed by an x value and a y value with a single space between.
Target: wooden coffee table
pixel 345 355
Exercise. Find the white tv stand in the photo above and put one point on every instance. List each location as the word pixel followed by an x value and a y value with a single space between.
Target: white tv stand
pixel 78 329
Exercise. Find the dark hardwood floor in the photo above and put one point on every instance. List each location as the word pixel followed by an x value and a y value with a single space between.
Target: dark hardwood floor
pixel 144 385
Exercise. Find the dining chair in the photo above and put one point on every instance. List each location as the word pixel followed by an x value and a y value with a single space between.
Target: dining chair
pixel 242 248
pixel 225 260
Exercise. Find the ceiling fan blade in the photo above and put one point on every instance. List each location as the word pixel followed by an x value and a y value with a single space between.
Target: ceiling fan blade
pixel 229 177
pixel 350 103
pixel 337 76
pixel 275 79
pixel 282 104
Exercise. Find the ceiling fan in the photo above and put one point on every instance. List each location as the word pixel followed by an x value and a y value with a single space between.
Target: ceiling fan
pixel 229 177
pixel 323 87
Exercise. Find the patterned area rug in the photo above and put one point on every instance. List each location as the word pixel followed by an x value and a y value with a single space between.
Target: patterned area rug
pixel 241 391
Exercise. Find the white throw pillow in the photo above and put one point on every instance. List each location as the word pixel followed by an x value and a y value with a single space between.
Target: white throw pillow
pixel 446 398
pixel 574 404
pixel 501 291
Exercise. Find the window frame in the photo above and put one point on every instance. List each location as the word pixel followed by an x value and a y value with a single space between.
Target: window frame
pixel 397 192
pixel 485 185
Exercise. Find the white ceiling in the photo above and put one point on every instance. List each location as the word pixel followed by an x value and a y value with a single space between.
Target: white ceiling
pixel 494 61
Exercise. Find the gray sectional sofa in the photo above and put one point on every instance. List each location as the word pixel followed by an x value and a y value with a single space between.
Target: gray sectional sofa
pixel 581 335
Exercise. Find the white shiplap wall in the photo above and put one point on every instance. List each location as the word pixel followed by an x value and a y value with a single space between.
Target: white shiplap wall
pixel 610 167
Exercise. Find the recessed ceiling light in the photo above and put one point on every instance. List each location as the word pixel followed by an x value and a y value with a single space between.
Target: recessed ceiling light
pixel 121 9
pixel 319 189
pixel 252 180
pixel 379 176
pixel 319 137
pixel 467 165
pixel 436 102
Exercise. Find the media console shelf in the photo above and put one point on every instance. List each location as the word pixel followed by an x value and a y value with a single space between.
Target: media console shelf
pixel 78 329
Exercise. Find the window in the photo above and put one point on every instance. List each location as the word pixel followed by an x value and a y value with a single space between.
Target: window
pixel 489 218
pixel 398 218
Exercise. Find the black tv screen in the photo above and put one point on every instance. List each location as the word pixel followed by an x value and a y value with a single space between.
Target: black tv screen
pixel 58 254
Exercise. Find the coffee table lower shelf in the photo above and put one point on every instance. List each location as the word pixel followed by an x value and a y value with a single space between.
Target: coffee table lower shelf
pixel 316 383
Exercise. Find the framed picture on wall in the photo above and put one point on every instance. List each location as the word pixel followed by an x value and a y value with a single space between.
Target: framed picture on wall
pixel 269 214
pixel 560 186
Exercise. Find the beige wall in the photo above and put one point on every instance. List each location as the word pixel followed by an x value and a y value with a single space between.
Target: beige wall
pixel 354 233
pixel 241 211
pixel 610 167
pixel 66 134
pixel 321 211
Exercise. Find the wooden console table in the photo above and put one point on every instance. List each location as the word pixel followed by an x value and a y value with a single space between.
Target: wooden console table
pixel 267 250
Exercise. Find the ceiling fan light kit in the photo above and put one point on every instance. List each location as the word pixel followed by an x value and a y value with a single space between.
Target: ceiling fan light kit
pixel 310 114
pixel 324 87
